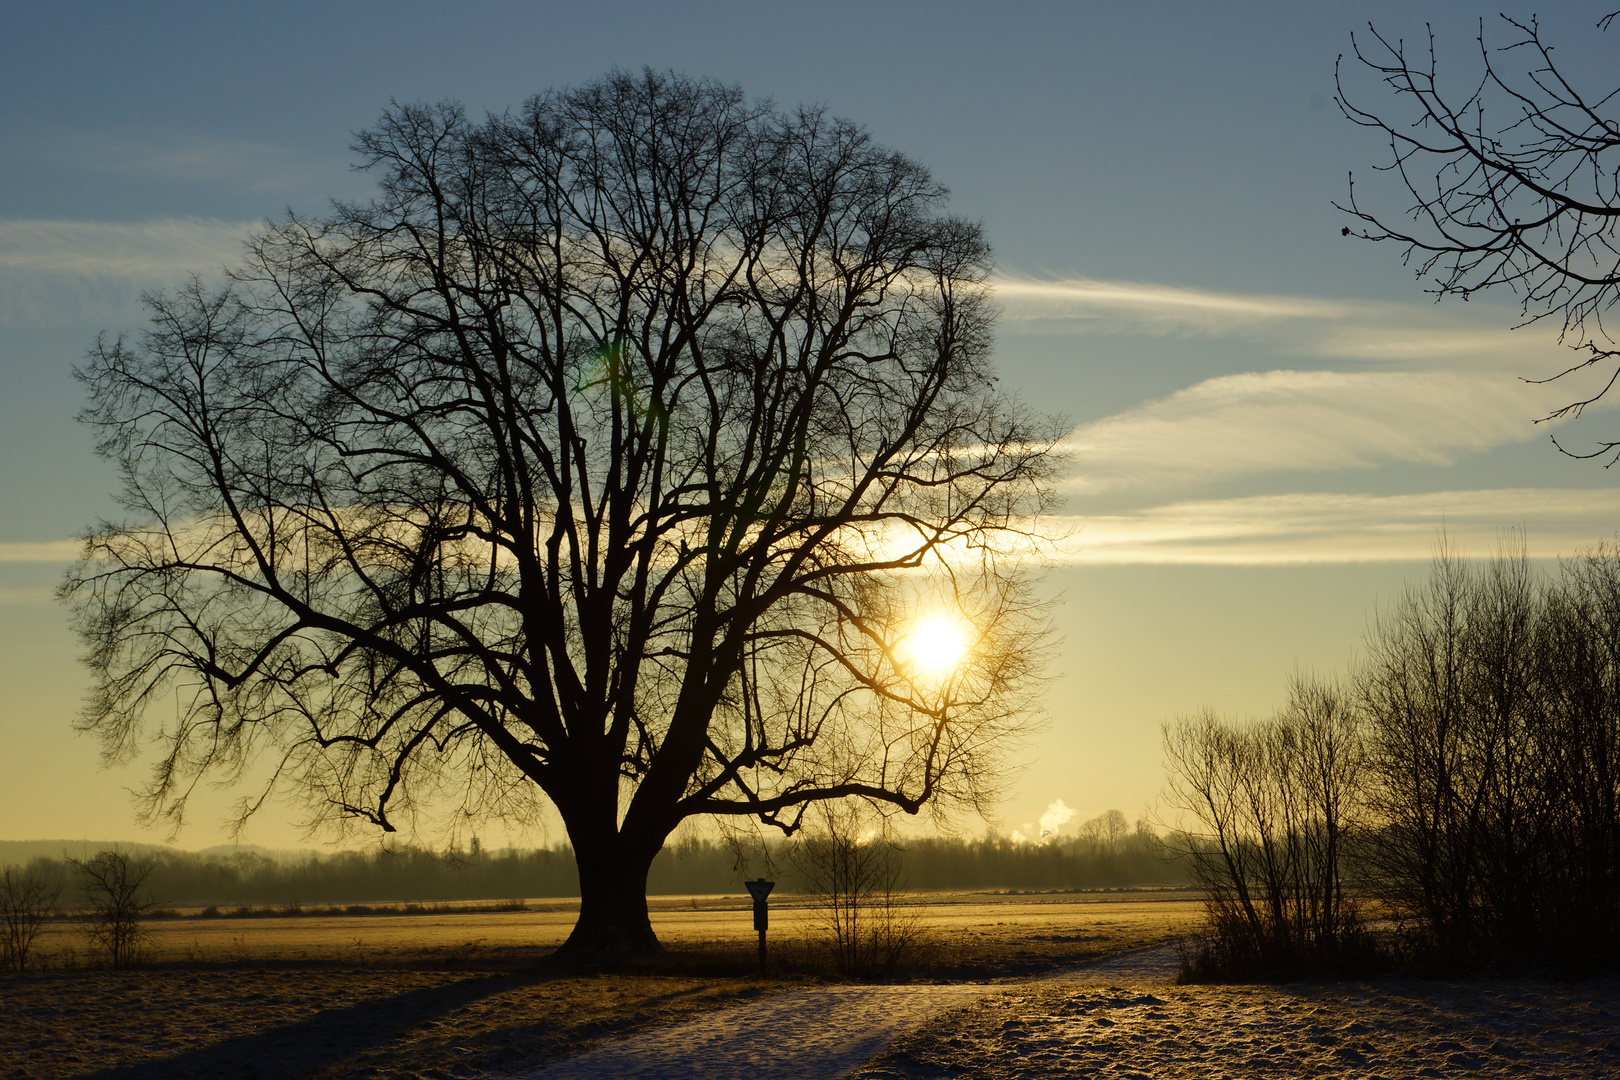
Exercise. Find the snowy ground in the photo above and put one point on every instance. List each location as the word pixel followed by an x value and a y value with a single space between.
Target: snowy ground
pixel 1393 1030
pixel 1122 1018
pixel 818 1034
pixel 447 995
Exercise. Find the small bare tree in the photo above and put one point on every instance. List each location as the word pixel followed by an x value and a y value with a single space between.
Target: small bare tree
pixel 1269 811
pixel 115 901
pixel 854 870
pixel 27 899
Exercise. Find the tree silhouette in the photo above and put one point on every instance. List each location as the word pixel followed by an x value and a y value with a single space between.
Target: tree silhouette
pixel 606 456
pixel 1515 182
pixel 115 902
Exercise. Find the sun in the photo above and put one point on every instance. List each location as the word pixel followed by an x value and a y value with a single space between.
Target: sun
pixel 935 645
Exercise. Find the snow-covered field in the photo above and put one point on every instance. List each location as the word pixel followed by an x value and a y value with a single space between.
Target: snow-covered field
pixel 341 1017
pixel 447 994
pixel 1123 1018
pixel 815 1034
pixel 1392 1029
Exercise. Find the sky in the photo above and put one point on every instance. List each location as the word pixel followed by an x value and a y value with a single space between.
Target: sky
pixel 1271 423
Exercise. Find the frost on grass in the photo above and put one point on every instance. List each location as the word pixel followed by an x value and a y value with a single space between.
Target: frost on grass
pixel 1390 1030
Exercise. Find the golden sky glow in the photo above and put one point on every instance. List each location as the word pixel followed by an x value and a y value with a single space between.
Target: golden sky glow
pixel 1272 423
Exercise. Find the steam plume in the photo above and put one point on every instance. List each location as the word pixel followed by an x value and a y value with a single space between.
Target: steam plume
pixel 1056 816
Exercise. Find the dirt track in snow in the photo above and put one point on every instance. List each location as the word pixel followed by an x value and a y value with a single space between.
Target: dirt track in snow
pixel 817 1034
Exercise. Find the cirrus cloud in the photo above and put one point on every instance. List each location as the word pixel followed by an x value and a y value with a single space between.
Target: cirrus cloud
pixel 1341 528
pixel 1283 421
pixel 64 273
pixel 40 551
pixel 1359 330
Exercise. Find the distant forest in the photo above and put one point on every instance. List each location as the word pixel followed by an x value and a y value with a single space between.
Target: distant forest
pixel 1104 859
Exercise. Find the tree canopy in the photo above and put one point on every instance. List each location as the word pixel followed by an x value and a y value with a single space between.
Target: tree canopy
pixel 612 456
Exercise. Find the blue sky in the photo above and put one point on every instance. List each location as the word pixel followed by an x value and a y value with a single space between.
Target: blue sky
pixel 1271 421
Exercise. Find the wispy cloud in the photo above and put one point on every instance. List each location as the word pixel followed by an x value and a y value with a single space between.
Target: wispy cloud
pixel 189 157
pixel 1084 299
pixel 1282 421
pixel 1358 330
pixel 56 273
pixel 20 551
pixel 1339 528
pixel 1299 527
pixel 134 249
pixel 1395 385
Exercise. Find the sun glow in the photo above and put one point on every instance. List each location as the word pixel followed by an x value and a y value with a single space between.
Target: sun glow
pixel 935 645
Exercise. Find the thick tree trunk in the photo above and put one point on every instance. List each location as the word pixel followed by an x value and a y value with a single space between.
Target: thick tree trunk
pixel 612 902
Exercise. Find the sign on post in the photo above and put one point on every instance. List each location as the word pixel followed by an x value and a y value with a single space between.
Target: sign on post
pixel 759 890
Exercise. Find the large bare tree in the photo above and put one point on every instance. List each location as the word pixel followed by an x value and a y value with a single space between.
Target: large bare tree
pixel 1513 173
pixel 609 456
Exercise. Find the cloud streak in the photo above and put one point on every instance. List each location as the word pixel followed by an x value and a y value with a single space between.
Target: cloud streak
pixel 64 273
pixel 1363 331
pixel 1282 421
pixel 23 551
pixel 183 158
pixel 132 249
pixel 1299 527
pixel 1393 385
pixel 1340 528
pixel 1086 298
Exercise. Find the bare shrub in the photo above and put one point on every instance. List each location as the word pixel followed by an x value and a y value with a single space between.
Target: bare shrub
pixel 854 871
pixel 1579 664
pixel 27 899
pixel 1493 698
pixel 1470 776
pixel 1270 809
pixel 115 901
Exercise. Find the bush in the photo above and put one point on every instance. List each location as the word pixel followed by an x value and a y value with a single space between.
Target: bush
pixel 1493 704
pixel 27 899
pixel 1467 780
pixel 1273 808
pixel 854 873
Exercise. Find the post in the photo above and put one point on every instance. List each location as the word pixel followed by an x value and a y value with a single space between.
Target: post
pixel 759 890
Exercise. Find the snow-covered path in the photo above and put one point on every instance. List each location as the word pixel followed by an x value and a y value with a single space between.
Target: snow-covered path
pixel 817 1034
pixel 1139 967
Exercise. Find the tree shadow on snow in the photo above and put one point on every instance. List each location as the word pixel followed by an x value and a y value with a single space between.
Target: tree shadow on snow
pixel 328 1039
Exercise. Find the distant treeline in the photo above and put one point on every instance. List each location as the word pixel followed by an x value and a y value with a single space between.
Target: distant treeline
pixel 997 863
pixel 691 865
